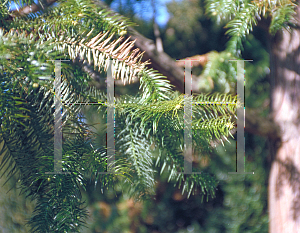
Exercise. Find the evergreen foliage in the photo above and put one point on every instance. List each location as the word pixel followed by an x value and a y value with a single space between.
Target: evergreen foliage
pixel 241 16
pixel 27 113
pixel 155 117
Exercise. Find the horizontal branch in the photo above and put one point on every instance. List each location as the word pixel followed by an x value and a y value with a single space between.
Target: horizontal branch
pixel 197 60
pixel 159 60
pixel 170 68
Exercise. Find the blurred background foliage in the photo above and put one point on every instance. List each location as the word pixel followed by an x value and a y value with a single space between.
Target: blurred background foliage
pixel 241 200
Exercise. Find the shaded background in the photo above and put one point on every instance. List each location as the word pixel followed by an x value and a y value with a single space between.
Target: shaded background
pixel 241 200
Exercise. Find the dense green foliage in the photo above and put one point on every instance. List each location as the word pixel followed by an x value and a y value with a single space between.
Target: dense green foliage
pixel 241 201
pixel 152 117
pixel 149 124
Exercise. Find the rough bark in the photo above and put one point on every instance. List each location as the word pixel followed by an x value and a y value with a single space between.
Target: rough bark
pixel 284 178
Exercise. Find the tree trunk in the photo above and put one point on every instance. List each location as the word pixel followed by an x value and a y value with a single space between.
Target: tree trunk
pixel 284 179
